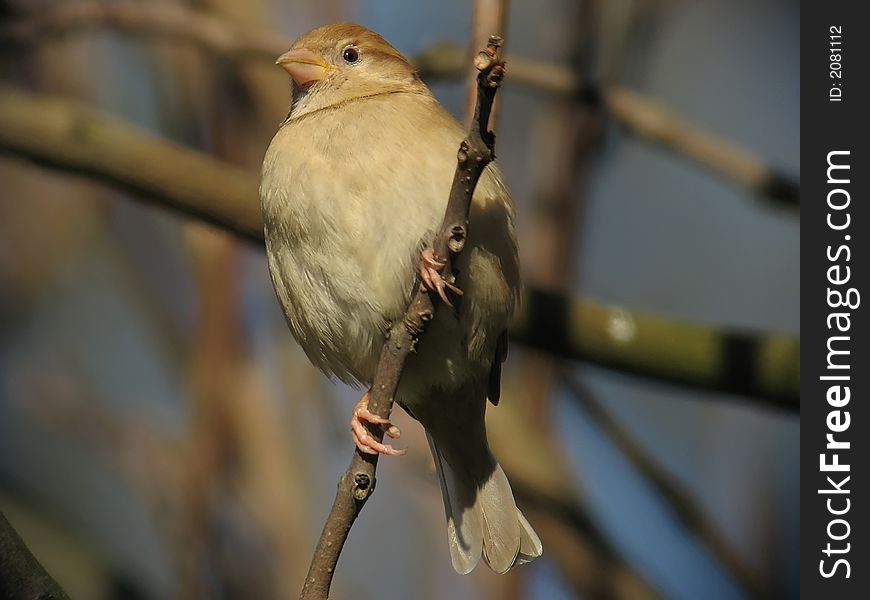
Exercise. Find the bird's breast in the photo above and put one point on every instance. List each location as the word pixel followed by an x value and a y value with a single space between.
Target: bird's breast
pixel 346 210
pixel 349 198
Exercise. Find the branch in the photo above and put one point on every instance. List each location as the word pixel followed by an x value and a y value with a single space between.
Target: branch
pixel 546 489
pixel 488 17
pixel 652 121
pixel 358 482
pixel 764 366
pixel 680 501
pixel 163 20
pixel 640 115
pixel 74 138
pixel 21 575
pixel 68 136
pixel 589 565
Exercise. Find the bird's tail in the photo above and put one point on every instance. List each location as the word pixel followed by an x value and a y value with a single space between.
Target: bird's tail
pixel 482 516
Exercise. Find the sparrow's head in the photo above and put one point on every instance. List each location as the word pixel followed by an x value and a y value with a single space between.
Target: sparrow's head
pixel 341 62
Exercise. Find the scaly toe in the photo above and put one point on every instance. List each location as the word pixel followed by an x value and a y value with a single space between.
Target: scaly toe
pixel 362 413
pixel 429 259
pixel 369 445
pixel 363 438
pixel 439 287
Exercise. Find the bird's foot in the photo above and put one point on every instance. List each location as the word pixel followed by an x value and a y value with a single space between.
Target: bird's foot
pixel 430 275
pixel 361 436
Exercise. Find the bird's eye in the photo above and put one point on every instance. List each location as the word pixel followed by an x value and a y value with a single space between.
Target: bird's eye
pixel 350 54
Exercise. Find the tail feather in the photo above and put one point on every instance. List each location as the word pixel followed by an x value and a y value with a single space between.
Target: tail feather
pixel 463 522
pixel 483 519
pixel 530 544
pixel 501 533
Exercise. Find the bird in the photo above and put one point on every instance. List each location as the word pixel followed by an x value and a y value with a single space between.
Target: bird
pixel 353 189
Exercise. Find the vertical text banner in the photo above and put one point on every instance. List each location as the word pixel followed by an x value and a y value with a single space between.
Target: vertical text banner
pixel 835 370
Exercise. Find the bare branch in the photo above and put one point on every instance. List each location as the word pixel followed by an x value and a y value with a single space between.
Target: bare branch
pixel 163 20
pixel 763 366
pixel 642 116
pixel 74 138
pixel 358 482
pixel 488 17
pixel 652 121
pixel 21 575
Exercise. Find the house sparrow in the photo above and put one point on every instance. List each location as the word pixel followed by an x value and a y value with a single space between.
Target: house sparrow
pixel 354 187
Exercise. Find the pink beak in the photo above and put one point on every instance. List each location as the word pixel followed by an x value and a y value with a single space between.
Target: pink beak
pixel 304 66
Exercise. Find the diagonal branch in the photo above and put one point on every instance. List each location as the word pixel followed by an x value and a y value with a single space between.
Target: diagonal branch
pixel 358 482
pixel 64 135
pixel 687 511
pixel 21 575
pixel 162 20
pixel 640 115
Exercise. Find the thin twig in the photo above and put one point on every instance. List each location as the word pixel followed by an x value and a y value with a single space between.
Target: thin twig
pixel 74 138
pixel 358 482
pixel 488 17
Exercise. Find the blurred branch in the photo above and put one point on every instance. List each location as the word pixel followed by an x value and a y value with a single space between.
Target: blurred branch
pixel 233 460
pixel 564 140
pixel 681 503
pixel 71 137
pixel 655 123
pixel 640 115
pixel 356 485
pixel 764 366
pixel 164 20
pixel 577 547
pixel 21 575
pixel 550 495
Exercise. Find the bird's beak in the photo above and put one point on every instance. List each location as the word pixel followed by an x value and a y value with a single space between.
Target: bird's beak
pixel 304 66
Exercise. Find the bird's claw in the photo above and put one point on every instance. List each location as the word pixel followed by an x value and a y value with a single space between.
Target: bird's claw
pixel 430 275
pixel 361 435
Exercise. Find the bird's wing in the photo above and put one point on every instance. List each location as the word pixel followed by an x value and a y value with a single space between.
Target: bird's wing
pixel 501 352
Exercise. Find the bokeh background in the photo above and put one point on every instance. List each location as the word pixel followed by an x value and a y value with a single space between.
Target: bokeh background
pixel 162 435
